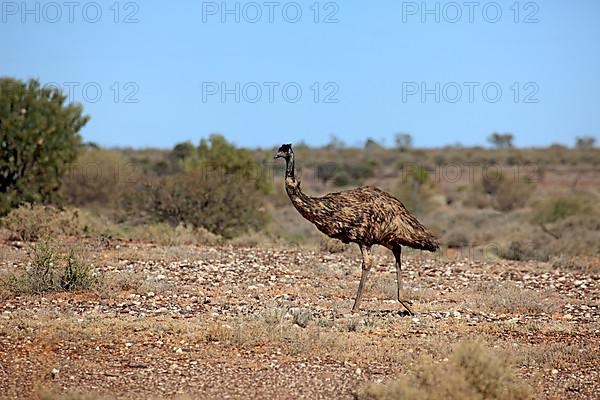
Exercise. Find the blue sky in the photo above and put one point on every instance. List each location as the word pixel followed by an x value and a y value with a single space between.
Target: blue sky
pixel 363 76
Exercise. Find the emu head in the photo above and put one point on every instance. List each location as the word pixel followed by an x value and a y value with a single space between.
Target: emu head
pixel 285 151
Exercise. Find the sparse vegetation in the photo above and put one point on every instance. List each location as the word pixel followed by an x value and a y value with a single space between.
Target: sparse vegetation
pixel 506 297
pixel 472 372
pixel 51 270
pixel 271 298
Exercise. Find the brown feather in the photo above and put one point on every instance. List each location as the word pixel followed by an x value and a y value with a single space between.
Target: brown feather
pixel 365 215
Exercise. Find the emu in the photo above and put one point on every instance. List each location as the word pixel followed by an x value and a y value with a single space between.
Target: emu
pixel 366 216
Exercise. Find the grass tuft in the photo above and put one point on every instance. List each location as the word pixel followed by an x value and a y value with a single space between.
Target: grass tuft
pixel 472 372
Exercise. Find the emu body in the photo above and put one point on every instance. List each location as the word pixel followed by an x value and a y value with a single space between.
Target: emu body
pixel 365 215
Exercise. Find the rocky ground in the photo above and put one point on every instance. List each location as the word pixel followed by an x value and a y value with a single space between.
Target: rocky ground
pixel 273 322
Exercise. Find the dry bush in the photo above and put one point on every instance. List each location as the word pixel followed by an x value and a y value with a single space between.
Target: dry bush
pixel 577 263
pixel 331 245
pixel 579 235
pixel 473 372
pixel 559 355
pixel 30 223
pixel 523 250
pixel 113 283
pixel 508 298
pixel 168 235
pixel 61 394
pixel 501 192
pixel 35 222
pixel 512 195
pixel 301 317
pixel 55 394
pixel 98 178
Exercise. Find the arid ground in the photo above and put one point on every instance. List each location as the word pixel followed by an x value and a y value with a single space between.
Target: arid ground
pixel 273 322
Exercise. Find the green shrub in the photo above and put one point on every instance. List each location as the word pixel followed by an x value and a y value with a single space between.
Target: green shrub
pixel 38 140
pixel 355 173
pixel 331 245
pixel 558 208
pixel 224 205
pixel 415 189
pixel 51 270
pixel 216 156
pixel 342 179
pixel 473 372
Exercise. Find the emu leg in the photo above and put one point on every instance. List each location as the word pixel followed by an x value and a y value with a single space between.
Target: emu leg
pixel 401 298
pixel 366 265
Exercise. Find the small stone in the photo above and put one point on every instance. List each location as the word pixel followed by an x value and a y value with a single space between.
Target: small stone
pixel 554 371
pixel 567 316
pixel 358 371
pixel 54 373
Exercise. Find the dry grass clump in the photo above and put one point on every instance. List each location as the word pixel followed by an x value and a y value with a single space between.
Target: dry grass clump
pixel 38 222
pixel 30 223
pixel 297 331
pixel 522 250
pixel 473 372
pixel 167 235
pixel 559 355
pixel 51 270
pixel 56 394
pixel 508 298
pixel 331 245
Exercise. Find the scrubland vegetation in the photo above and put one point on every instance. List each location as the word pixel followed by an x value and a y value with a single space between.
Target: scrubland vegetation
pixel 525 203
pixel 190 266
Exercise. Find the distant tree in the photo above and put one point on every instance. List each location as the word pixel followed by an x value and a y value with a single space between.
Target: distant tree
pixel 181 151
pixel 585 142
pixel 217 156
pixel 301 145
pixel 501 140
pixel 335 143
pixel 38 140
pixel 372 144
pixel 403 141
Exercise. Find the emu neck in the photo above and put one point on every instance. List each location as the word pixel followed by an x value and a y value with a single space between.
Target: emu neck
pixel 289 167
pixel 303 203
pixel 292 186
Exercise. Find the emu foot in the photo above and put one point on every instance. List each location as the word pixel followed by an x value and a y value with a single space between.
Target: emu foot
pixel 405 305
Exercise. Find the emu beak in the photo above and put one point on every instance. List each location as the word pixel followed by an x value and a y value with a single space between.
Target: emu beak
pixel 278 155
